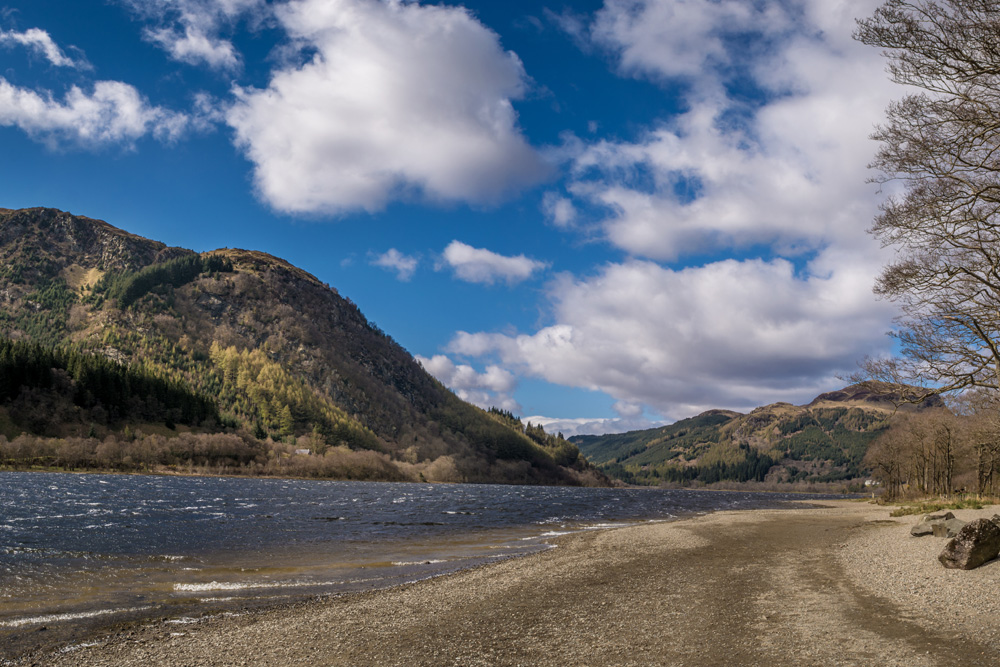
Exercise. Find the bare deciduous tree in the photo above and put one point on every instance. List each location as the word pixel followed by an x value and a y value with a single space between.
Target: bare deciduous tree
pixel 887 457
pixel 981 409
pixel 923 453
pixel 942 144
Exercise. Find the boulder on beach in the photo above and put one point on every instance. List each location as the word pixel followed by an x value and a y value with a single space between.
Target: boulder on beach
pixel 975 544
pixel 926 524
pixel 948 527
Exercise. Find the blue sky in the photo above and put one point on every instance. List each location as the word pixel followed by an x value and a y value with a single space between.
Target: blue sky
pixel 600 215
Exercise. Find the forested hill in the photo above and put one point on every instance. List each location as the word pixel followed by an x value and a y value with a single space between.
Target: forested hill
pixel 286 364
pixel 822 442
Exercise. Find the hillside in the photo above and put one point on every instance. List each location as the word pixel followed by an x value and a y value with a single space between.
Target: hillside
pixel 287 363
pixel 824 441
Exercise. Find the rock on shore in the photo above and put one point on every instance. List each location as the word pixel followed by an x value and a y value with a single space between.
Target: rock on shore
pixel 976 543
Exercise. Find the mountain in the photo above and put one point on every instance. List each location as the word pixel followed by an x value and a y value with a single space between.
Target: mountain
pixel 132 336
pixel 824 441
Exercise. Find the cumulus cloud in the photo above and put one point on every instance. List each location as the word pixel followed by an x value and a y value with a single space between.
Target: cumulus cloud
pixel 559 210
pixel 193 46
pixel 41 43
pixel 393 99
pixel 785 172
pixel 492 388
pixel 630 418
pixel 587 426
pixel 189 30
pixel 479 265
pixel 113 113
pixel 680 38
pixel 729 334
pixel 789 173
pixel 404 265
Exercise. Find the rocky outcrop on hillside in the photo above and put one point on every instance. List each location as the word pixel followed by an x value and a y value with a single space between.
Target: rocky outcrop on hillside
pixel 881 395
pixel 42 239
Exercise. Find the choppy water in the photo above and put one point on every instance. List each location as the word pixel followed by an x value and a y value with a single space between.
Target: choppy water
pixel 78 547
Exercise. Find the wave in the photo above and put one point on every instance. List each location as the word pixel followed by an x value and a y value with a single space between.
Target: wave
pixel 77 647
pixel 55 618
pixel 247 585
pixel 433 561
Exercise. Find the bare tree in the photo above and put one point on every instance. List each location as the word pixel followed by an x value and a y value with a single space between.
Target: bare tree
pixel 922 453
pixel 945 446
pixel 888 457
pixel 942 144
pixel 982 414
pixel 985 438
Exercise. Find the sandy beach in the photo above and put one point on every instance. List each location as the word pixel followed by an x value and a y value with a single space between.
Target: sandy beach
pixel 839 584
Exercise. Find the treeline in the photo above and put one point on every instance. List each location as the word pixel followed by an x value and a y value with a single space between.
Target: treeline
pixel 241 454
pixel 127 288
pixel 843 447
pixel 489 436
pixel 208 453
pixel 45 312
pixel 507 437
pixel 940 452
pixel 752 468
pixel 272 402
pixel 90 381
pixel 130 453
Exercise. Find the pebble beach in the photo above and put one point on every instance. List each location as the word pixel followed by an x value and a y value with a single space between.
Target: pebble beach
pixel 835 583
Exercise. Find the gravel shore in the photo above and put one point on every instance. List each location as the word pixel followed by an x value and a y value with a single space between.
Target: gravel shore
pixel 839 584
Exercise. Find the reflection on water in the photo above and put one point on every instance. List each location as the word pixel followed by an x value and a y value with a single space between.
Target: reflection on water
pixel 85 546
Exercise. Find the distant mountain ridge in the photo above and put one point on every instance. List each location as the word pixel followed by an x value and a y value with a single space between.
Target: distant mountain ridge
pixel 822 441
pixel 290 363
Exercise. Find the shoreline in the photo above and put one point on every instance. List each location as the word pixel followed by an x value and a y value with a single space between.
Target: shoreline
pixel 837 583
pixel 188 548
pixel 724 486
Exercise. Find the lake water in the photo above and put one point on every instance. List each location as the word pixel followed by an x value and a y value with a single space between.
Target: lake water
pixel 76 547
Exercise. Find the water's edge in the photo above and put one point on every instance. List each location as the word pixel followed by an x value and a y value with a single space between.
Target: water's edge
pixel 65 633
pixel 82 556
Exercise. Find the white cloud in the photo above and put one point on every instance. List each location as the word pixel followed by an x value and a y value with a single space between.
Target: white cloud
pixel 786 173
pixel 193 46
pixel 732 334
pixel 189 30
pixel 395 99
pixel 792 173
pixel 404 265
pixel 628 410
pixel 630 418
pixel 587 426
pixel 41 42
pixel 114 113
pixel 559 210
pixel 492 388
pixel 478 265
pixel 681 38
